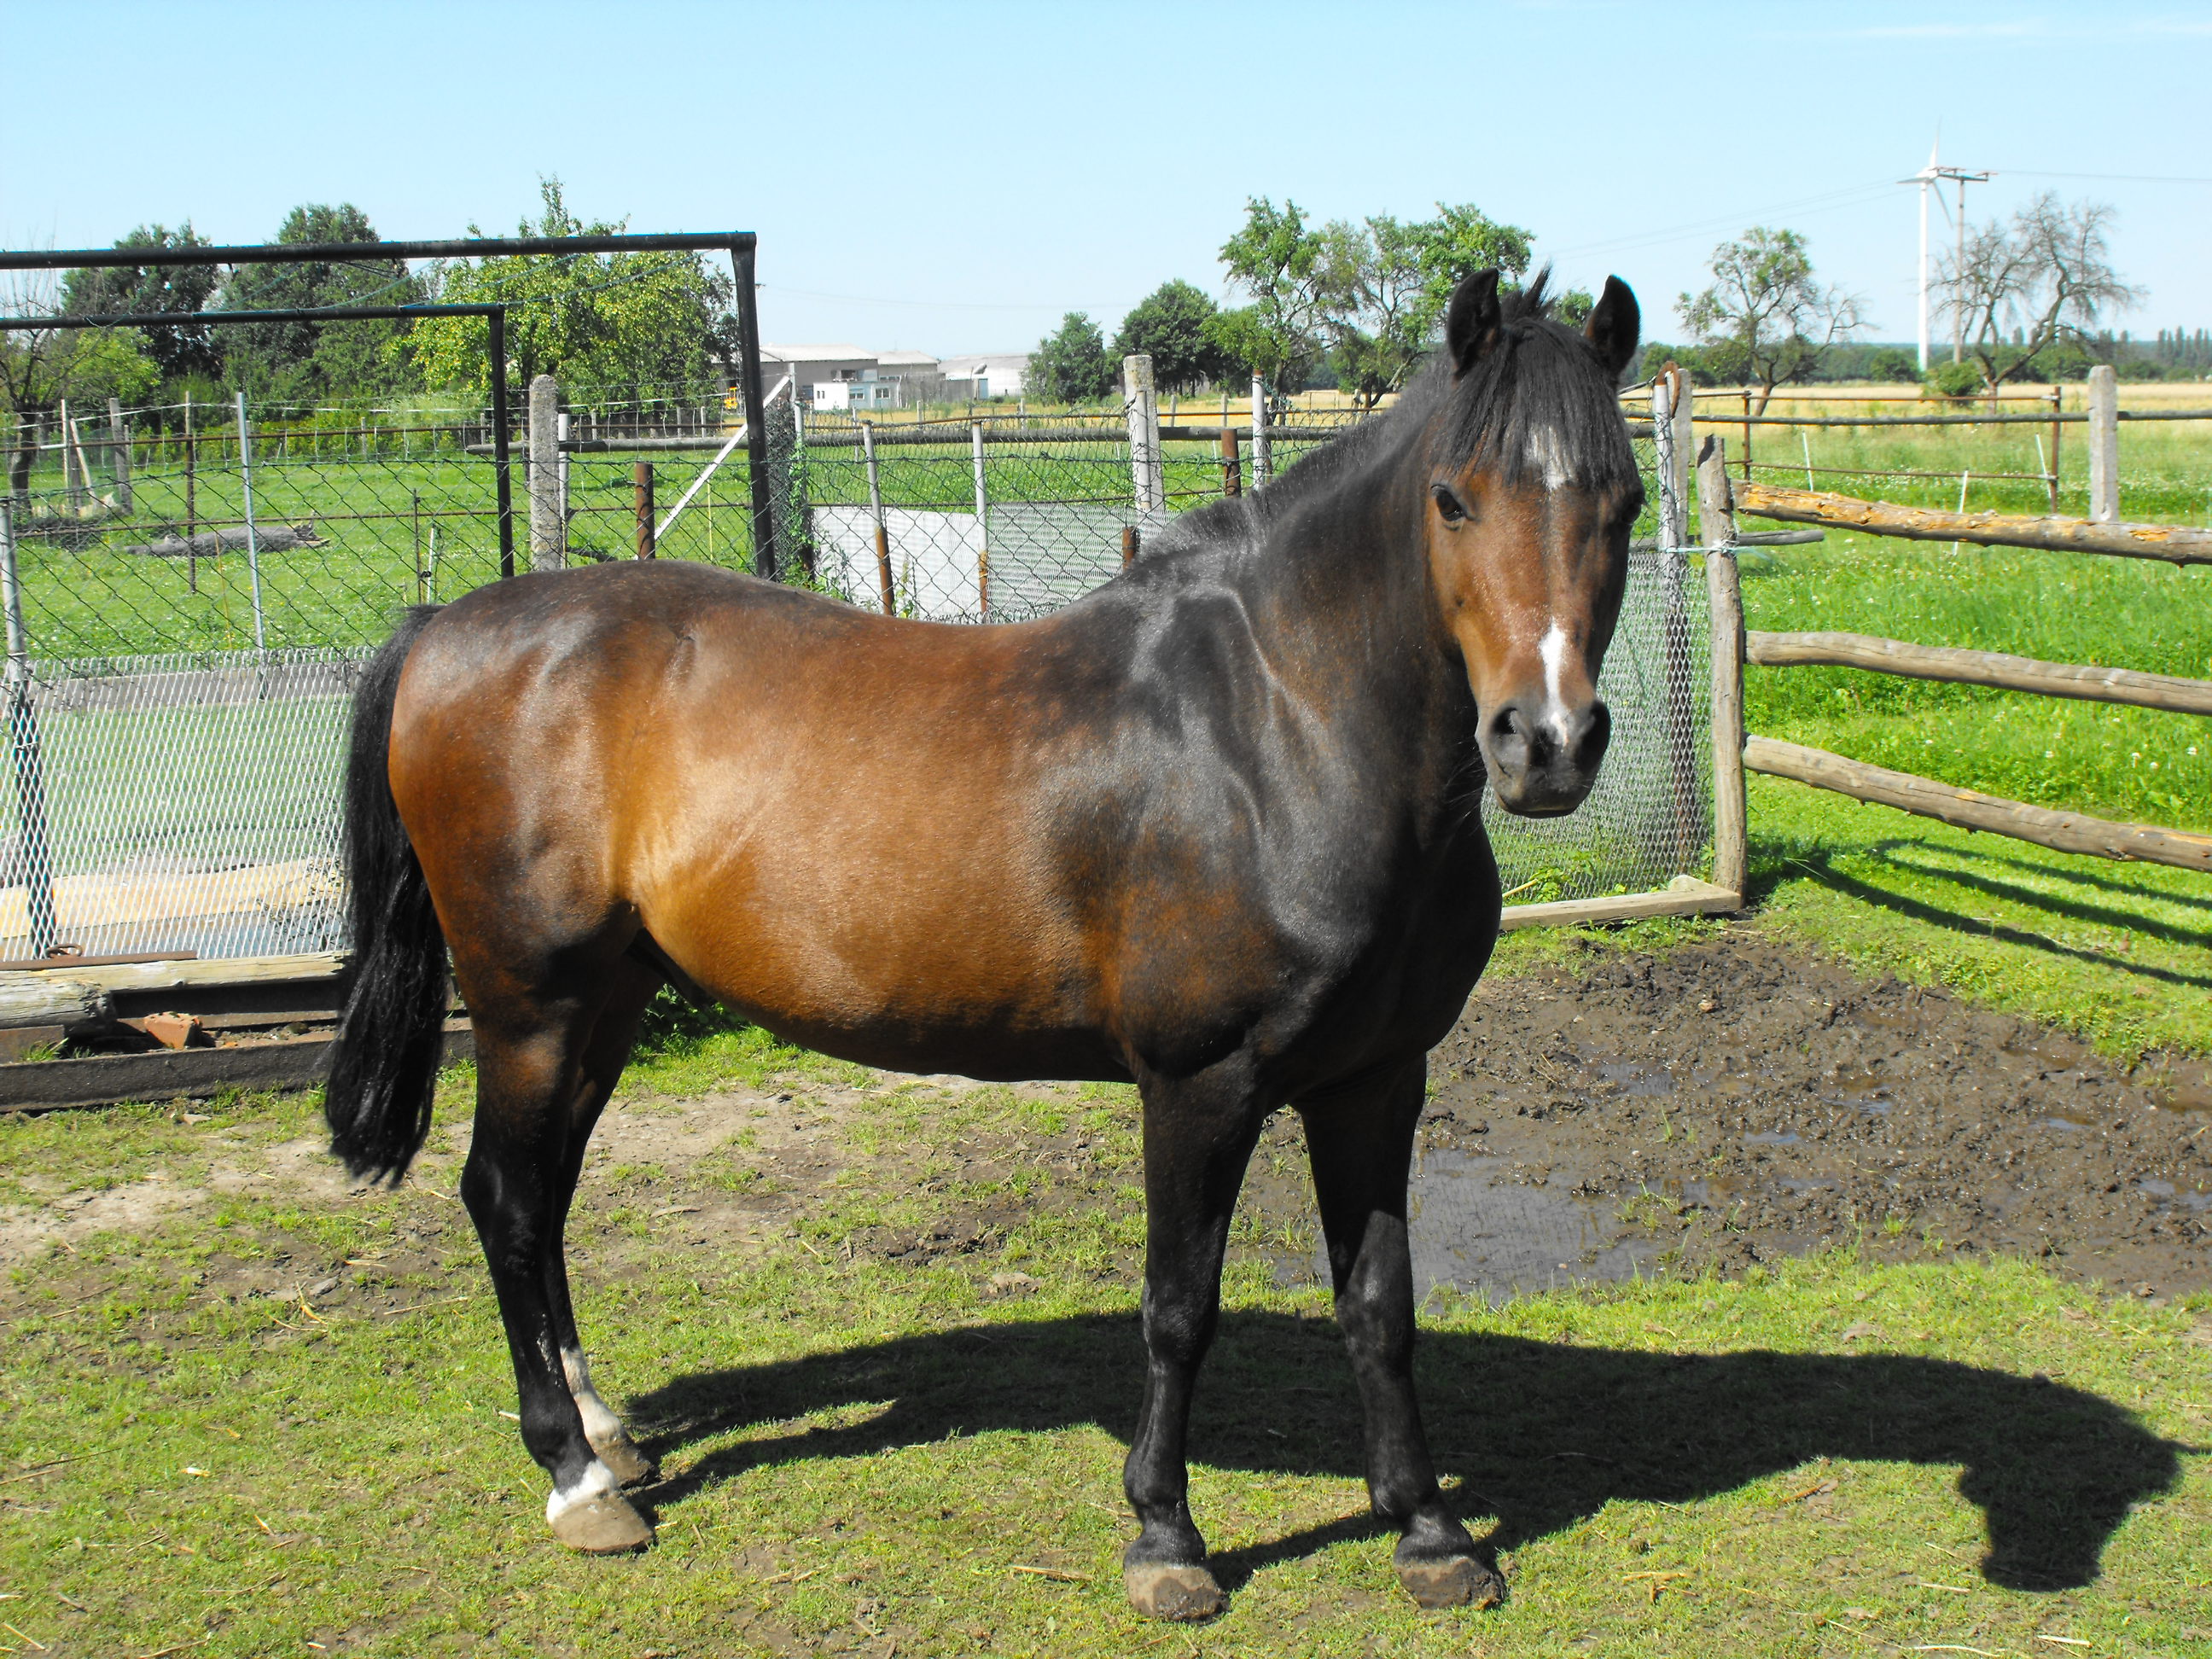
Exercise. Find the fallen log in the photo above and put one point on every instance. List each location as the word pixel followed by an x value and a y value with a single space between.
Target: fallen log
pixel 208 544
pixel 2062 832
pixel 2174 544
pixel 1962 667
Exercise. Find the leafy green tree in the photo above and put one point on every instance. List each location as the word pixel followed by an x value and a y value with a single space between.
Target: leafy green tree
pixel 1384 285
pixel 1276 259
pixel 176 352
pixel 1765 317
pixel 1070 364
pixel 1170 324
pixel 305 362
pixel 610 327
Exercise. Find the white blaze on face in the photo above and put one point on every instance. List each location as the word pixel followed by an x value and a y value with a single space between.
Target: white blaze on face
pixel 1552 651
pixel 1546 455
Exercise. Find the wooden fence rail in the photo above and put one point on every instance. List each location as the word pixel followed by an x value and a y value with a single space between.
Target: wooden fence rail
pixel 2064 832
pixel 2174 544
pixel 1960 667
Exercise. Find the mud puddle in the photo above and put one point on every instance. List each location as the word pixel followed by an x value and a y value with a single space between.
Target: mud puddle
pixel 1734 1101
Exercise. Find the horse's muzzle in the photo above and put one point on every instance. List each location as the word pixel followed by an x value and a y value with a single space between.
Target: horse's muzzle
pixel 1543 761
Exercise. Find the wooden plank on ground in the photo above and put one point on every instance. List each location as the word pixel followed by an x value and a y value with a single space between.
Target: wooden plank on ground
pixel 1684 895
pixel 2064 832
pixel 2175 544
pixel 171 1073
pixel 1961 667
pixel 207 972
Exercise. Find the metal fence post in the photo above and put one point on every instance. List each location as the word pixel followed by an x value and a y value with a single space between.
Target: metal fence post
pixel 1669 394
pixel 253 540
pixel 742 254
pixel 502 462
pixel 1260 457
pixel 982 529
pixel 1724 593
pixel 1142 402
pixel 119 439
pixel 547 522
pixel 34 851
pixel 875 512
pixel 2104 445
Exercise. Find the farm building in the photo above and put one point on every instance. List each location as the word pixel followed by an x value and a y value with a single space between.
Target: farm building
pixel 987 374
pixel 849 377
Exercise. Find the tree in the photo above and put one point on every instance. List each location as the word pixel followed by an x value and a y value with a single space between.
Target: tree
pixel 1276 261
pixel 611 327
pixel 1763 318
pixel 307 362
pixel 40 368
pixel 1384 285
pixel 1169 324
pixel 136 289
pixel 1070 365
pixel 2047 276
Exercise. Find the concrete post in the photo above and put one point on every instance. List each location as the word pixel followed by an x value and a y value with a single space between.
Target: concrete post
pixel 549 515
pixel 2104 445
pixel 1146 477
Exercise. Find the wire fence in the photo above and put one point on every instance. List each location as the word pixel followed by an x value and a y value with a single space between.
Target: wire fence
pixel 192 599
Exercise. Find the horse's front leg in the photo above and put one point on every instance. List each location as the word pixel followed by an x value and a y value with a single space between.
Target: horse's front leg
pixel 1199 1135
pixel 1360 1146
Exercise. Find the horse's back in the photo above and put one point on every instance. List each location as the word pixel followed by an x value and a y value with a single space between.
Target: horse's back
pixel 828 819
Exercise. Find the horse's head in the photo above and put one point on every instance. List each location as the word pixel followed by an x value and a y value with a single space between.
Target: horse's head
pixel 1532 488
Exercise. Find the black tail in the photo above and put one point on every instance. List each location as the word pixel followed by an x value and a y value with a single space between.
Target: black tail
pixel 383 1065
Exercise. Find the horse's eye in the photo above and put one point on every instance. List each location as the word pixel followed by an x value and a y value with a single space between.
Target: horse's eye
pixel 1447 505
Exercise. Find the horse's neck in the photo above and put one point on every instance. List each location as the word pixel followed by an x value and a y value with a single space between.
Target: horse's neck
pixel 1337 590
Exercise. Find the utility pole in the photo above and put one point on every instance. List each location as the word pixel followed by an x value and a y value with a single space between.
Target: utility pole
pixel 1931 175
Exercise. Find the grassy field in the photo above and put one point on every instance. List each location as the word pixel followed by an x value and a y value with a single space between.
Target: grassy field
pixel 273 1422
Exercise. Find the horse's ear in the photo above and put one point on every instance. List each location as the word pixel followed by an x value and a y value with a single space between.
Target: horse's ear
pixel 1614 325
pixel 1471 324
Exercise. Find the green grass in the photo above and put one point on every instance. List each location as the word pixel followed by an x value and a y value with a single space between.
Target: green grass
pixel 2121 953
pixel 1829 1458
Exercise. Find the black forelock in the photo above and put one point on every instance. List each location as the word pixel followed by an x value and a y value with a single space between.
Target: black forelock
pixel 1542 376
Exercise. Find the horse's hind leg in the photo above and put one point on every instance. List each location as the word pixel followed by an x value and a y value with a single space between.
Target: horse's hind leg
pixel 605 1055
pixel 1360 1146
pixel 531 1079
pixel 1199 1134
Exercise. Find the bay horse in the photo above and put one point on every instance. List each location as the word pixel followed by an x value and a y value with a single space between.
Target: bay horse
pixel 1212 828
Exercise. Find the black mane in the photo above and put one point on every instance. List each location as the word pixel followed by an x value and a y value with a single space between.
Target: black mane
pixel 1542 387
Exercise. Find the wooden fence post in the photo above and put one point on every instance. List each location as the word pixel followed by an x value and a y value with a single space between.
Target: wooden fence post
pixel 642 493
pixel 1724 594
pixel 2057 407
pixel 1143 405
pixel 119 439
pixel 1260 456
pixel 982 528
pixel 1132 543
pixel 875 512
pixel 2104 445
pixel 549 519
pixel 1232 469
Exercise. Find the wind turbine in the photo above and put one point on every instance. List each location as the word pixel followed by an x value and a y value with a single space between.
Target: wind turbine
pixel 1931 175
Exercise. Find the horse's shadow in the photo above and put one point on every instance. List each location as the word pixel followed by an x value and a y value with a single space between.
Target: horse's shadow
pixel 1542 1434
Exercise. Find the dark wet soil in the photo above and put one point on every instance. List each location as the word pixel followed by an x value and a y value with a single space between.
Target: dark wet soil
pixel 1734 1101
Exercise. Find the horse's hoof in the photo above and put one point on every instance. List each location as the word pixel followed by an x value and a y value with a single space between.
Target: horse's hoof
pixel 1456 1581
pixel 628 1465
pixel 1162 1589
pixel 604 1525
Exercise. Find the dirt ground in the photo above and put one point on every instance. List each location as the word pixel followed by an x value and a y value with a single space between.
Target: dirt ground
pixel 1721 1105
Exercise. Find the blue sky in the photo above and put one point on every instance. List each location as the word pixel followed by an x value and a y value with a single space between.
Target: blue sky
pixel 953 177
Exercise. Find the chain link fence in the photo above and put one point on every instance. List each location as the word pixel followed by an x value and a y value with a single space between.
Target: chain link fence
pixel 194 592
